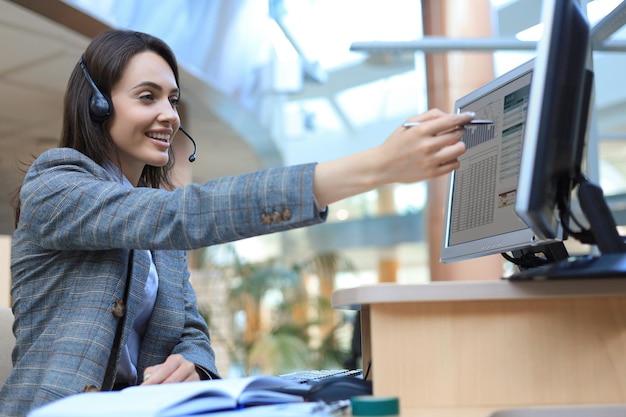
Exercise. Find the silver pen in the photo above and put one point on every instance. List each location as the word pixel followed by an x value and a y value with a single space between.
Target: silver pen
pixel 472 122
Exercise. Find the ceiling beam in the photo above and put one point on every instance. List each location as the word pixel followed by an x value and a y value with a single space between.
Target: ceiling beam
pixel 430 44
pixel 441 45
pixel 66 15
pixel 609 24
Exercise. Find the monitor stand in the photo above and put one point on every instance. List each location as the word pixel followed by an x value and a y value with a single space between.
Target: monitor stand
pixel 611 263
pixel 536 256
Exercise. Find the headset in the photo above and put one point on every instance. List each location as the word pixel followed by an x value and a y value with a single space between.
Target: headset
pixel 100 106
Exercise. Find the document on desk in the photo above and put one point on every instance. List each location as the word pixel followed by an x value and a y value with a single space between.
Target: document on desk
pixel 309 409
pixel 173 400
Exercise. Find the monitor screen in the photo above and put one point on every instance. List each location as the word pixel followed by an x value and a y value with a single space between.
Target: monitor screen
pixel 479 215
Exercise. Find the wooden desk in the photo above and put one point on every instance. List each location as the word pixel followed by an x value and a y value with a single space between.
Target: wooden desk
pixel 488 345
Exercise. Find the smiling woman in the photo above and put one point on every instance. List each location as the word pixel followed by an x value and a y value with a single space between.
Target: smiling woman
pixel 98 219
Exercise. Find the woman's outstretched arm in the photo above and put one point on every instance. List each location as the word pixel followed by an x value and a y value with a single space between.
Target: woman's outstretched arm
pixel 408 155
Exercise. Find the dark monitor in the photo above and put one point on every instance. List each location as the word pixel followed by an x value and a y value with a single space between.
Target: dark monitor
pixel 479 215
pixel 552 152
pixel 557 114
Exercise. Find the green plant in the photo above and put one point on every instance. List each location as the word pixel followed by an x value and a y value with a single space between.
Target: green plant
pixel 278 315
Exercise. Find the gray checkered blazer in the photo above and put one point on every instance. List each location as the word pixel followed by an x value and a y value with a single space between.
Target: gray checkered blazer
pixel 70 256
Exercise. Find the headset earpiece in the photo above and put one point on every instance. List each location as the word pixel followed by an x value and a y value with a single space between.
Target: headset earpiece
pixel 99 106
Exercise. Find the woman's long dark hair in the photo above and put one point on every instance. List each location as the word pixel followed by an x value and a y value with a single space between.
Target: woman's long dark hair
pixel 106 58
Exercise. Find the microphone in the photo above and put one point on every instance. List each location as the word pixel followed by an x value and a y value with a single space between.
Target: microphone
pixel 192 157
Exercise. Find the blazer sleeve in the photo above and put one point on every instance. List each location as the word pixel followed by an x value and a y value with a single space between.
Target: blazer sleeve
pixel 70 202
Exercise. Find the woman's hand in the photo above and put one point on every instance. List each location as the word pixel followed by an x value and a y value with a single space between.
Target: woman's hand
pixel 425 151
pixel 174 369
pixel 409 154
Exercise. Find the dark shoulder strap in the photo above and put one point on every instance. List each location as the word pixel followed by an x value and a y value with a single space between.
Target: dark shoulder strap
pixel 109 379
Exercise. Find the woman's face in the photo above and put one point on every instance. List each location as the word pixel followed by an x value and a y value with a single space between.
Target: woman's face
pixel 145 117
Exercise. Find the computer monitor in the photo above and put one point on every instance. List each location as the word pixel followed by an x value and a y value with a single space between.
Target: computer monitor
pixel 554 140
pixel 556 119
pixel 513 189
pixel 479 214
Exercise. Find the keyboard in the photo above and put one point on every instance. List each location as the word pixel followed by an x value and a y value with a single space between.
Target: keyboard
pixel 315 375
pixel 327 385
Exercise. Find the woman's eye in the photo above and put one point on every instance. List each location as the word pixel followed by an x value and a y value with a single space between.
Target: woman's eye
pixel 146 96
pixel 174 101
